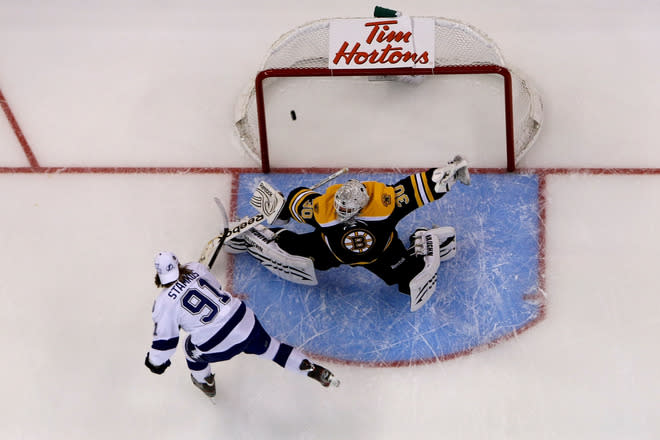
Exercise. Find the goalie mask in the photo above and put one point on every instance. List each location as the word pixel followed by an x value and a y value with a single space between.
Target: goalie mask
pixel 350 198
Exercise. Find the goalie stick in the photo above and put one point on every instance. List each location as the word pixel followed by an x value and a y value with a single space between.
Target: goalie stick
pixel 332 176
pixel 236 228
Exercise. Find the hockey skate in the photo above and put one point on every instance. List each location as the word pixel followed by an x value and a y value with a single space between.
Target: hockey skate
pixel 207 387
pixel 319 373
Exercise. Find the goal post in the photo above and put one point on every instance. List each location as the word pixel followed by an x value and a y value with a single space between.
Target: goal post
pixel 459 50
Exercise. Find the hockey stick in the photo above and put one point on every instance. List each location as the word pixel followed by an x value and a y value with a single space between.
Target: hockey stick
pixel 246 224
pixel 213 246
pixel 332 176
pixel 225 231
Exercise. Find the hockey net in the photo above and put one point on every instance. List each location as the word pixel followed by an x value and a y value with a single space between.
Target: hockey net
pixel 303 113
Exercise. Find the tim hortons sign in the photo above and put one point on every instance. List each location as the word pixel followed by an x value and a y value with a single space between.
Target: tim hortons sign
pixel 359 43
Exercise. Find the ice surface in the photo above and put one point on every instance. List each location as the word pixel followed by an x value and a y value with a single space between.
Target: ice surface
pixel 138 84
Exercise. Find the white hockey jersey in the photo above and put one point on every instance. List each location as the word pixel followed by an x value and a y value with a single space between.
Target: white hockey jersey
pixel 214 318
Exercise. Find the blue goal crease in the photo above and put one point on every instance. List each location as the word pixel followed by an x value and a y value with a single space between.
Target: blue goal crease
pixel 353 316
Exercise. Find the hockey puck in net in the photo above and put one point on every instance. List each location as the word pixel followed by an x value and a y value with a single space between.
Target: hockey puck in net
pixel 293 115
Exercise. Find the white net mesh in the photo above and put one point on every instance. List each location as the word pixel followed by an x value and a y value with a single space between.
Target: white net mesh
pixel 456 44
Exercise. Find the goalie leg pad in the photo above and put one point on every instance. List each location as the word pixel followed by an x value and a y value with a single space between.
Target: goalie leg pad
pixel 435 245
pixel 235 244
pixel 261 245
pixel 446 237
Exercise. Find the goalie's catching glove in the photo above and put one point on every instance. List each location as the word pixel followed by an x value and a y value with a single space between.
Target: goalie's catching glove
pixel 446 176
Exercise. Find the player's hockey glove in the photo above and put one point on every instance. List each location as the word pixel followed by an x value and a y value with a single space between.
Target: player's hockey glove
pixel 156 369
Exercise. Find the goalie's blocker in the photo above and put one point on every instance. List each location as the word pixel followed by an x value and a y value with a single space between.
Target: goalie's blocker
pixel 268 201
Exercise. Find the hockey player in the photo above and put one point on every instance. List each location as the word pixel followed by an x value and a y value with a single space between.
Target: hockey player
pixel 219 327
pixel 355 224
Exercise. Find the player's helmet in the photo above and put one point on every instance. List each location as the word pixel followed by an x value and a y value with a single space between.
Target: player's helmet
pixel 350 198
pixel 167 267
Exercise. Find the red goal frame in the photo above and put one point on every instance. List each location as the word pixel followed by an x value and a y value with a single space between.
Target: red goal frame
pixel 440 70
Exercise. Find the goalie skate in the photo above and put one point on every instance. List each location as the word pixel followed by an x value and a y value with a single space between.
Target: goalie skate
pixel 320 374
pixel 435 245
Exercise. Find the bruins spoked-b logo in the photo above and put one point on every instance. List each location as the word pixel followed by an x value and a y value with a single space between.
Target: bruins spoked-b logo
pixel 358 240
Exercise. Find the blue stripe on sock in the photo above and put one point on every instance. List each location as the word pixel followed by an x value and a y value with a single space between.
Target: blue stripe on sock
pixel 283 354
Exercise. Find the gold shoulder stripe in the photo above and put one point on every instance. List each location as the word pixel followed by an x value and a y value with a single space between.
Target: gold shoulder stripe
pixel 427 188
pixel 418 199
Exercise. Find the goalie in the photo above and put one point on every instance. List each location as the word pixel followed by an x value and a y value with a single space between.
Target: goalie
pixel 355 224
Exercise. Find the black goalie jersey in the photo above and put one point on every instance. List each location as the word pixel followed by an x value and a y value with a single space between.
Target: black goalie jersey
pixel 363 239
